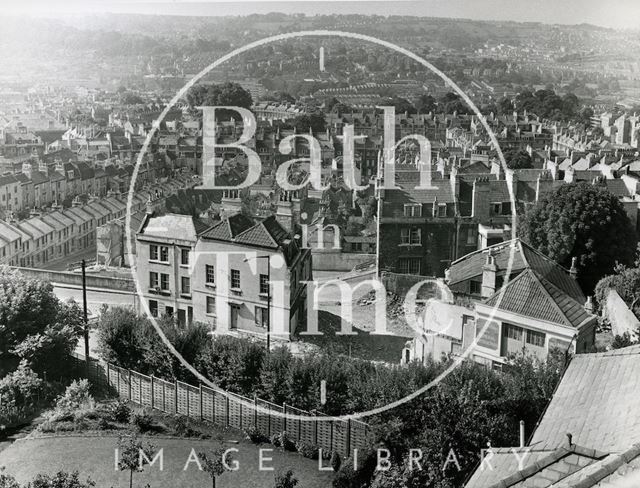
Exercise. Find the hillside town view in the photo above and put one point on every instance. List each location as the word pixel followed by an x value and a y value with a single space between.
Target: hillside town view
pixel 346 250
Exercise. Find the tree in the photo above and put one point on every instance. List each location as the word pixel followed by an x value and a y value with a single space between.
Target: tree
pixel 213 465
pixel 120 337
pixel 426 103
pixel 61 480
pixel 134 456
pixel 315 121
pixel 6 480
pixel 34 324
pixel 226 94
pixel 451 102
pixel 517 159
pixel 626 281
pixel 285 480
pixel 584 221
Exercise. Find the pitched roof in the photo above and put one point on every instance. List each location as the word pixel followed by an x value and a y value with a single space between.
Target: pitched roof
pixel 598 404
pixel 227 229
pixel 531 295
pixel 170 226
pixel 521 256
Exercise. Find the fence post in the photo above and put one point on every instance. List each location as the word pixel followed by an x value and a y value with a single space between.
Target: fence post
pixel 255 412
pixel 140 390
pixel 175 397
pixel 227 398
pixel 284 418
pixel 188 406
pixel 130 399
pixel 164 397
pixel 348 436
pixel 152 393
pixel 201 416
pixel 315 428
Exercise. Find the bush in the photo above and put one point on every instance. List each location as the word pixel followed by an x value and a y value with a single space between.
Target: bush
pixel 285 480
pixel 76 396
pixel 282 440
pixel 336 461
pixel 254 435
pixel 120 412
pixel 307 450
pixel 142 421
pixel 104 424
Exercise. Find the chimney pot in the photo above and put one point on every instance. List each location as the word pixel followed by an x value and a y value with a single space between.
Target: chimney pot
pixel 574 267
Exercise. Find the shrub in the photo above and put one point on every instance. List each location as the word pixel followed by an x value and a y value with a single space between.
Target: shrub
pixel 285 480
pixel 120 412
pixel 142 421
pixel 104 424
pixel 307 450
pixel 254 435
pixel 336 461
pixel 282 440
pixel 182 427
pixel 75 397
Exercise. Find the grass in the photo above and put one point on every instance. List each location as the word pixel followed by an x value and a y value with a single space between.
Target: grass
pixel 94 457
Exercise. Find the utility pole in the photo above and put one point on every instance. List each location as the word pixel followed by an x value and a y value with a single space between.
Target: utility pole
pixel 86 319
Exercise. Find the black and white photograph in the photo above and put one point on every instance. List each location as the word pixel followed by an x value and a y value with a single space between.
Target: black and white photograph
pixel 319 244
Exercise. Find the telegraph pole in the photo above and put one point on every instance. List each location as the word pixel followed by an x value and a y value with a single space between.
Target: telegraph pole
pixel 86 318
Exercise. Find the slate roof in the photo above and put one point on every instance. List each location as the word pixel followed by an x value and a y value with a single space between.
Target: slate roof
pixel 531 295
pixel 523 256
pixel 597 402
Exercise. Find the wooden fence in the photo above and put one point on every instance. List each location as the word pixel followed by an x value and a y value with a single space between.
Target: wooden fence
pixel 229 409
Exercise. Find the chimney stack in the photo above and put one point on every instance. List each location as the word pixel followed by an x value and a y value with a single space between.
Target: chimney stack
pixel 574 268
pixel 489 276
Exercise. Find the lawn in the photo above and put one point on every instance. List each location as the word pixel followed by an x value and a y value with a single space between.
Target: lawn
pixel 94 457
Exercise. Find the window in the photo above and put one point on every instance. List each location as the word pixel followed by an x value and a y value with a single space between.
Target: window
pixel 164 282
pixel 210 275
pixel 185 284
pixel 442 210
pixel 153 252
pixel 471 236
pixel 164 254
pixel 497 208
pixel 211 306
pixel 184 257
pixel 410 236
pixel 535 338
pixel 475 287
pixel 153 308
pixel 264 284
pixel 357 246
pixel 413 210
pixel 153 280
pixel 262 317
pixel 235 279
pixel 409 265
pixel 513 332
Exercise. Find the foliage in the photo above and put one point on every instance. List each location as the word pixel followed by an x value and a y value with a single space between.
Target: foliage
pixel 142 421
pixel 120 338
pixel 336 461
pixel 134 455
pixel 254 435
pixel 351 476
pixel 626 281
pixel 35 325
pixel 517 159
pixel 584 221
pixel 61 480
pixel 213 464
pixel 6 480
pixel 624 340
pixel 120 412
pixel 20 388
pixel 285 480
pixel 547 104
pixel 307 450
pixel 227 94
pixel 304 122
pixel 75 397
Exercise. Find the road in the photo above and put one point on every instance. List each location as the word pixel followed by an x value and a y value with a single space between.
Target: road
pixel 96 298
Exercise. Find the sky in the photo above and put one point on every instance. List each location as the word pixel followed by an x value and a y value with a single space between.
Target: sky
pixel 606 13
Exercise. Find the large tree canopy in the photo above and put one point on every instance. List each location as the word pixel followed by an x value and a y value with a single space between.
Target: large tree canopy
pixel 34 325
pixel 517 159
pixel 225 94
pixel 584 221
